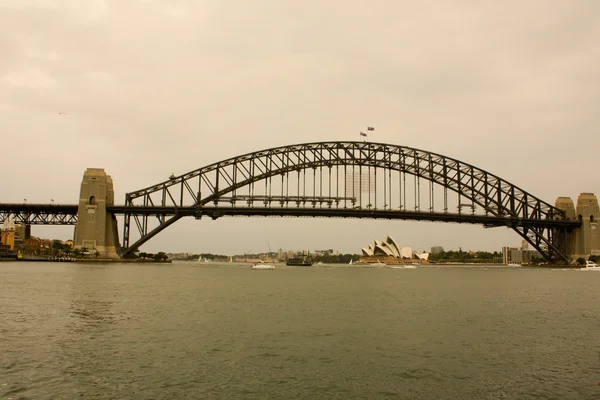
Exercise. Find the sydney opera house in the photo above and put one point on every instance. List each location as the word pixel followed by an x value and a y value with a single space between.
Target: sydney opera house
pixel 388 252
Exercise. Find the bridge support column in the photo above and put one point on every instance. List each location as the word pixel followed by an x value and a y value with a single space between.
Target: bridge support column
pixel 96 228
pixel 583 241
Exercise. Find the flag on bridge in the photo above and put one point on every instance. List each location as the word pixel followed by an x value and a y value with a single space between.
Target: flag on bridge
pixel 363 134
pixel 370 128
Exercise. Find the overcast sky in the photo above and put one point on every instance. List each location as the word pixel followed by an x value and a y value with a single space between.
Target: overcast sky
pixel 148 88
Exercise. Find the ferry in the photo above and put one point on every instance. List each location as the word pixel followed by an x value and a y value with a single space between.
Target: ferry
pixel 303 261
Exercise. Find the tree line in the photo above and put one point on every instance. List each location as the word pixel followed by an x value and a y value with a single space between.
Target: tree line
pixel 466 256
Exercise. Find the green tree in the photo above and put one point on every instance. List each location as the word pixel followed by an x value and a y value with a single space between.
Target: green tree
pixel 580 261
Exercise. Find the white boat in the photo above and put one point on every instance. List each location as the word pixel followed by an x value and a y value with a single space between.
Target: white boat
pixel 262 265
pixel 590 266
pixel 350 263
pixel 377 264
pixel 513 265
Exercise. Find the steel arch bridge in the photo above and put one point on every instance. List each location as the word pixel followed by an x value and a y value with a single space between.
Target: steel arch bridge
pixel 347 180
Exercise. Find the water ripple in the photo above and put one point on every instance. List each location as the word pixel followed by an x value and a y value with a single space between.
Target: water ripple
pixel 147 332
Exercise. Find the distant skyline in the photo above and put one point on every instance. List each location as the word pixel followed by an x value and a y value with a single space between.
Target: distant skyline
pixel 144 89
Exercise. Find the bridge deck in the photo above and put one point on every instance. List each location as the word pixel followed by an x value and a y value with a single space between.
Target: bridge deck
pixel 220 211
pixel 44 213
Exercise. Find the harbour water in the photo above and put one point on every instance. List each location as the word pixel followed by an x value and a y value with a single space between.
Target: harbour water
pixel 206 331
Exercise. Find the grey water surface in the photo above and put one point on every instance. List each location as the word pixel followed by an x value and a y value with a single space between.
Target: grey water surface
pixel 208 331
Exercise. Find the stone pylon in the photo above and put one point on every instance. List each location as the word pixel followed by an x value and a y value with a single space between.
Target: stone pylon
pixel 583 241
pixel 587 239
pixel 96 229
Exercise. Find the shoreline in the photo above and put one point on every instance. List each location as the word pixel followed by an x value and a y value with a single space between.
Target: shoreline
pixel 511 266
pixel 358 265
pixel 89 260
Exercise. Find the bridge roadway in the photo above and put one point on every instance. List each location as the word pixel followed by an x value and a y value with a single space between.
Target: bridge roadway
pixel 39 214
pixel 66 214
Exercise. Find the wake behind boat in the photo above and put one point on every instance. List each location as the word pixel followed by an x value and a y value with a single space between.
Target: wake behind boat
pixel 377 264
pixel 262 265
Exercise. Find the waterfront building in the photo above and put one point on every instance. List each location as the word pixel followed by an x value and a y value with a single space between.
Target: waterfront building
pixel 36 245
pixel 22 231
pixel 519 255
pixel 8 234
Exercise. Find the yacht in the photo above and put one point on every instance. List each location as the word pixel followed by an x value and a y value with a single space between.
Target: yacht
pixel 590 266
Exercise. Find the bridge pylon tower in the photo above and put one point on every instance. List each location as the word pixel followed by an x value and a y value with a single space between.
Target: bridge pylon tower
pixel 96 228
pixel 584 240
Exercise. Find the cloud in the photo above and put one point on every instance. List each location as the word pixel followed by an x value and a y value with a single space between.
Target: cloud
pixel 33 78
pixel 154 87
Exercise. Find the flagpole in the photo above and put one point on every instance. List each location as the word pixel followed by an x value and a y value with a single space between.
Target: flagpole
pixel 363 134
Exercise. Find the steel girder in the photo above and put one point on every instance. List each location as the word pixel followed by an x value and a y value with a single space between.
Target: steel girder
pixel 225 179
pixel 39 214
pixel 215 212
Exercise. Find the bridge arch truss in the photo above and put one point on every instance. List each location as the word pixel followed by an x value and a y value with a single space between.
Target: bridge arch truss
pixel 349 180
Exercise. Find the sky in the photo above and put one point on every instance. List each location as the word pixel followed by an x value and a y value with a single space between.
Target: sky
pixel 148 88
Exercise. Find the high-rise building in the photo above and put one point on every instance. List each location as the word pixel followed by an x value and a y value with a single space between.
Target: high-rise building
pixel 516 255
